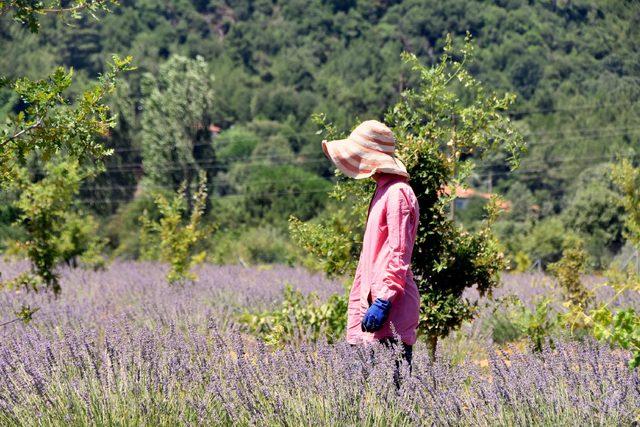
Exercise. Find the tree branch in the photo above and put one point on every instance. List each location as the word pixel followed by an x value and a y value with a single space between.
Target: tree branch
pixel 69 9
pixel 8 7
pixel 9 322
pixel 38 123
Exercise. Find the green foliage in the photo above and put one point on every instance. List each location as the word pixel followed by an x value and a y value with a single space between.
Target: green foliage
pixel 522 261
pixel 594 213
pixel 177 109
pixel 544 241
pixel 627 178
pixel 79 242
pixel 27 12
pixel 170 238
pixel 271 193
pixel 569 269
pixel 616 325
pixel 621 328
pixel 334 240
pixel 24 315
pixel 300 318
pixel 50 124
pixel 55 232
pixel 125 242
pixel 537 324
pixel 235 144
pixel 252 246
pixel 572 65
pixel 512 320
pixel 440 124
pixel 502 322
pixel 27 282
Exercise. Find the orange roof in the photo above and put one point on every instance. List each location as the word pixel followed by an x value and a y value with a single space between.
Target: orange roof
pixel 468 193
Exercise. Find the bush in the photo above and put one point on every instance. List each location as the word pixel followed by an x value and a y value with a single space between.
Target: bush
pixel 121 228
pixel 594 212
pixel 568 271
pixel 544 242
pixel 172 239
pixel 253 245
pixel 234 144
pixel 300 318
pixel 272 193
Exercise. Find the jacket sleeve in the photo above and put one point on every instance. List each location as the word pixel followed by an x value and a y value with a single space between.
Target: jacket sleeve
pixel 400 220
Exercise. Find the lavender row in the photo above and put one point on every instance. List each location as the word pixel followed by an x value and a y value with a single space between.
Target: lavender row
pixel 166 375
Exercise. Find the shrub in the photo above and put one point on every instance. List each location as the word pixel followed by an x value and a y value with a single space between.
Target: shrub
pixel 270 193
pixel 568 271
pixel 170 238
pixel 300 318
pixel 544 242
pixel 250 246
pixel 79 242
pixel 537 324
pixel 119 230
pixel 234 144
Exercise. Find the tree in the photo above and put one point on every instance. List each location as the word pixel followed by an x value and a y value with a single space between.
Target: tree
pixel 175 135
pixel 594 213
pixel 56 232
pixel 273 192
pixel 627 178
pixel 47 126
pixel 233 145
pixel 27 12
pixel 50 124
pixel 440 125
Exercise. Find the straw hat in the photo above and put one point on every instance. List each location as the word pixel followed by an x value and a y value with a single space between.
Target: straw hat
pixel 369 149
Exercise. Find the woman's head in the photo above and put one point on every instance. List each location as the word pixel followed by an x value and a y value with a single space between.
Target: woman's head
pixel 368 150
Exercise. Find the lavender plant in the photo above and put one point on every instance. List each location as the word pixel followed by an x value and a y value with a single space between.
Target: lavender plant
pixel 123 347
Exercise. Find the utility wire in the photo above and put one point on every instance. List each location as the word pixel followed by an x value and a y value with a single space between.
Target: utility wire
pixel 255 160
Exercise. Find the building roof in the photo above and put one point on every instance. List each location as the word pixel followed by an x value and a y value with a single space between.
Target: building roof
pixel 469 193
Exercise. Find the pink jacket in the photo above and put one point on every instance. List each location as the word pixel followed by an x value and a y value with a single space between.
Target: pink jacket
pixel 384 268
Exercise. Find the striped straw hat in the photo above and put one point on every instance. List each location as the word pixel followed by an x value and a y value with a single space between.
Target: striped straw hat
pixel 369 149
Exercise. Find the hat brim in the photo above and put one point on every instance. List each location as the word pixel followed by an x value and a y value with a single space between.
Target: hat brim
pixel 357 162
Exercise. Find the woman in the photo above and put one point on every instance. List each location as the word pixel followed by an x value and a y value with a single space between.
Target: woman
pixel 384 298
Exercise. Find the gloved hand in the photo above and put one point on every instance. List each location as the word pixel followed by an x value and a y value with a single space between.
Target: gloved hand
pixel 376 315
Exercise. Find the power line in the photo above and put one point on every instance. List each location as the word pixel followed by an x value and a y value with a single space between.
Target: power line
pixel 585 131
pixel 232 139
pixel 252 184
pixel 268 159
pixel 566 109
pixel 547 167
pixel 263 194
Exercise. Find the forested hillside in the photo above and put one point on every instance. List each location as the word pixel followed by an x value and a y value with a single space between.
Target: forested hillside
pixel 229 88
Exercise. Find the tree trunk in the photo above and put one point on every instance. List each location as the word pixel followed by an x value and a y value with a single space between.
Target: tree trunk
pixel 432 345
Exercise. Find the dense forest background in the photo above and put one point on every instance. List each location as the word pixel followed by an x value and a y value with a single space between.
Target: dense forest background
pixel 229 87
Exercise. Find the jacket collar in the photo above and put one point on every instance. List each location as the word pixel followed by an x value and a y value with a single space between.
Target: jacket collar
pixel 388 178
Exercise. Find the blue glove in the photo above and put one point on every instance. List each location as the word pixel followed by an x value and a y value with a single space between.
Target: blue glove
pixel 376 315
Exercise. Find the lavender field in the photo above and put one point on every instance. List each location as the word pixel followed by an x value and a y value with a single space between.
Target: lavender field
pixel 121 347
